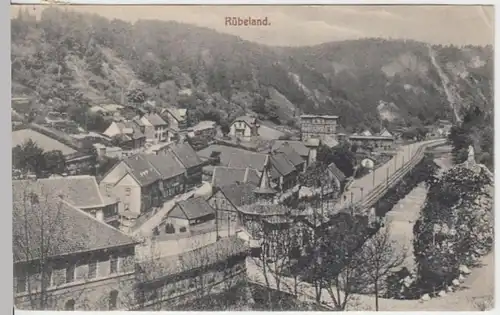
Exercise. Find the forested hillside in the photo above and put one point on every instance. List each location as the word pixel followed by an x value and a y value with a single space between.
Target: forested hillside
pixel 75 59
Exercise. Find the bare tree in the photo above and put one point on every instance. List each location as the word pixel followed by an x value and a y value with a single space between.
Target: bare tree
pixel 39 239
pixel 340 260
pixel 381 257
pixel 149 284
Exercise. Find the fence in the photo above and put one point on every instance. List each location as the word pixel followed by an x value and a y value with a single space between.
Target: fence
pixel 382 188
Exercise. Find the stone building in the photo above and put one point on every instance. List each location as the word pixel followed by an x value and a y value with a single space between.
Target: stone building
pixel 323 127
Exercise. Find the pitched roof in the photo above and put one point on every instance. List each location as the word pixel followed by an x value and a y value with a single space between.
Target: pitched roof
pixel 68 229
pixel 240 194
pixel 281 165
pixel 235 157
pixel 385 133
pixel 243 159
pixel 186 154
pixel 137 134
pixel 192 208
pixel 336 172
pixel 200 257
pixel 166 164
pixel 290 154
pixel 223 176
pixel 155 119
pixel 297 145
pixel 46 143
pixel 178 113
pixel 143 171
pixel 80 191
pixel 247 119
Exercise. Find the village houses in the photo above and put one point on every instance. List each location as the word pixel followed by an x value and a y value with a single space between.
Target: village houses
pixel 176 118
pixel 144 181
pixel 130 134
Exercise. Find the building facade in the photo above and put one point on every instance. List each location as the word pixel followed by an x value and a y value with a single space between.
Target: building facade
pixel 69 260
pixel 244 127
pixel 321 127
pixel 156 128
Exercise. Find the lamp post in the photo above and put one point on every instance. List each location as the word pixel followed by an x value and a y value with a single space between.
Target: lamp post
pixel 361 188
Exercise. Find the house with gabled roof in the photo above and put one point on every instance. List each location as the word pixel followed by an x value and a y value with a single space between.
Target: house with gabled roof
pixel 225 176
pixel 129 133
pixel 244 127
pixel 186 215
pixel 78 260
pixel 176 118
pixel 385 133
pixel 156 127
pixel 297 145
pixel 187 156
pixel 82 192
pixel 292 156
pixel 143 181
pixel 283 172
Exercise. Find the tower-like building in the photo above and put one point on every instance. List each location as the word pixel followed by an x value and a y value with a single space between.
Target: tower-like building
pixel 264 194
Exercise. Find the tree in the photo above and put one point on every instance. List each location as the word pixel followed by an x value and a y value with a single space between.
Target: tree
pixel 54 162
pixel 340 259
pixel 29 158
pixel 39 232
pixel 342 156
pixel 149 283
pixel 381 258
pixel 136 96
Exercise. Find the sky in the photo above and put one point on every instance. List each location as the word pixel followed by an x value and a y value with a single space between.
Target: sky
pixel 311 25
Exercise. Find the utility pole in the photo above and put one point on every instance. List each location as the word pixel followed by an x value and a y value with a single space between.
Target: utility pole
pixel 387 177
pixel 373 182
pixel 216 220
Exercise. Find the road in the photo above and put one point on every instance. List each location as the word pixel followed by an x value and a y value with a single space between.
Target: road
pixel 479 285
pixel 361 187
pixel 146 228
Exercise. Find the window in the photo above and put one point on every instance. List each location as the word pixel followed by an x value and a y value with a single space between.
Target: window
pixel 92 269
pixel 126 206
pixel 108 188
pixel 113 296
pixel 113 264
pixel 69 305
pixel 127 191
pixel 182 229
pixel 70 273
pixel 169 228
pixel 21 282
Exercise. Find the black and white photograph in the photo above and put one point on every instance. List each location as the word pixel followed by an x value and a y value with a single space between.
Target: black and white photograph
pixel 252 157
